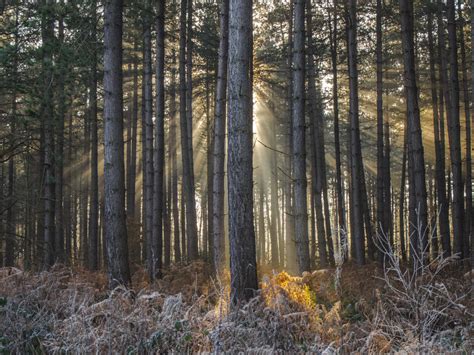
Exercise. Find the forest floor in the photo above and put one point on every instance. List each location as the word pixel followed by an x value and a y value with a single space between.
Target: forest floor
pixel 71 310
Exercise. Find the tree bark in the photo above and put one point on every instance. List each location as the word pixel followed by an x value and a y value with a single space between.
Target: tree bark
pixel 274 198
pixel 440 184
pixel 299 146
pixel 159 159
pixel 207 198
pixel 94 183
pixel 415 146
pixel 443 197
pixel 469 209
pixel 290 218
pixel 219 141
pixel 10 228
pixel 468 159
pixel 381 226
pixel 132 164
pixel 357 220
pixel 240 181
pixel 186 150
pixel 342 230
pixel 47 34
pixel 114 177
pixel 454 135
pixel 174 163
pixel 316 164
pixel 151 242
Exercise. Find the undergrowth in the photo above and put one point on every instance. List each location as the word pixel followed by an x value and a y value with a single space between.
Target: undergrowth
pixel 67 310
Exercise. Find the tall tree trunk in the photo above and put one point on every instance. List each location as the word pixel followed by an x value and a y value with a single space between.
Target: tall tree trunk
pixel 454 135
pixel 469 209
pixel 416 169
pixel 94 183
pixel 68 200
pixel 151 243
pixel 3 232
pixel 290 218
pixel 240 180
pixel 366 213
pixel 85 179
pixel 174 163
pixel 219 141
pixel 10 230
pixel 47 35
pixel 59 152
pixel 159 166
pixel 357 220
pixel 183 223
pixel 261 222
pixel 168 202
pixel 467 114
pixel 208 234
pixel 443 198
pixel 29 216
pixel 387 184
pixel 440 184
pixel 323 175
pixel 274 198
pixel 342 230
pixel 186 140
pixel 299 146
pixel 318 135
pixel 381 226
pixel 402 196
pixel 132 163
pixel 114 170
pixel 316 164
pixel 193 244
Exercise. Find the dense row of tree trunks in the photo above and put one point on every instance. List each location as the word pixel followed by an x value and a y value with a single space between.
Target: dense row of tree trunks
pixel 64 224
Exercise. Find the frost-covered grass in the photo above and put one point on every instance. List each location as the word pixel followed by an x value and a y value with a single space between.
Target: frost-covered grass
pixel 67 310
